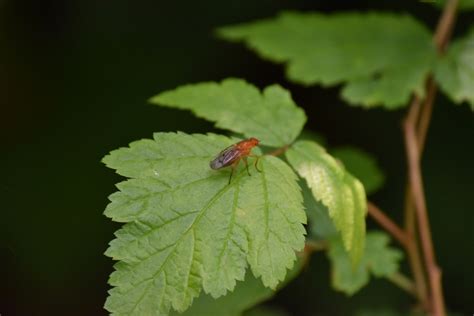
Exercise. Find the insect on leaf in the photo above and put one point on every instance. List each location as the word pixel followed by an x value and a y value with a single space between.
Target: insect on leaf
pixel 187 229
pixel 235 105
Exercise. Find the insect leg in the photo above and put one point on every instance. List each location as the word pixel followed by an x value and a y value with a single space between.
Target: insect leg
pixel 247 165
pixel 256 162
pixel 233 167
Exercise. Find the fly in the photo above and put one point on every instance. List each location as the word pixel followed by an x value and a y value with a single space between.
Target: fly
pixel 232 155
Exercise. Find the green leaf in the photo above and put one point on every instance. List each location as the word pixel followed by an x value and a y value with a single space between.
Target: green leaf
pixel 187 228
pixel 270 116
pixel 381 58
pixel 245 295
pixel 378 259
pixel 455 70
pixel 320 224
pixel 362 165
pixel 343 195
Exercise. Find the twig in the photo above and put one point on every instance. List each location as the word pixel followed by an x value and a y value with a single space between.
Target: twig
pixel 445 24
pixel 279 151
pixel 389 225
pixel 415 129
pixel 408 241
pixel 413 251
pixel 410 216
pixel 315 245
pixel 403 282
pixel 311 246
pixel 418 194
pixel 425 116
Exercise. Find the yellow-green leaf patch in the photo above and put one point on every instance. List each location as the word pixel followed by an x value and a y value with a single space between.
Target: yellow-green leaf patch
pixel 340 192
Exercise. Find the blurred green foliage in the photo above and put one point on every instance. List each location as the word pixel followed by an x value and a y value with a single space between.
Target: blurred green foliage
pixel 380 58
pixel 75 77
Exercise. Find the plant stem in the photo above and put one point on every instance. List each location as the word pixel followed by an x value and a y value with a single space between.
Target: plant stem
pixel 316 245
pixel 279 151
pixel 410 216
pixel 413 251
pixel 403 282
pixel 445 24
pixel 418 194
pixel 425 116
pixel 415 129
pixel 389 225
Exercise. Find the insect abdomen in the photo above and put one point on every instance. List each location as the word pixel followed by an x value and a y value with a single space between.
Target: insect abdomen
pixel 216 164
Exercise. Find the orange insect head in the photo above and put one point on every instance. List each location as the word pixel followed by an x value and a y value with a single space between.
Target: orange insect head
pixel 246 145
pixel 253 141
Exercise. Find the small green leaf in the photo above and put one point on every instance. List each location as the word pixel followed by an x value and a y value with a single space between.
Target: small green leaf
pixel 455 70
pixel 246 294
pixel 270 116
pixel 362 165
pixel 382 58
pixel 187 228
pixel 378 259
pixel 343 195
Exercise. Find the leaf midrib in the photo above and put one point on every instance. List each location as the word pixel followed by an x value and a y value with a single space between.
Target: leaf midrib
pixel 196 220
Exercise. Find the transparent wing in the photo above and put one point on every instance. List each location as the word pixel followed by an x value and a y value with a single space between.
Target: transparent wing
pixel 225 157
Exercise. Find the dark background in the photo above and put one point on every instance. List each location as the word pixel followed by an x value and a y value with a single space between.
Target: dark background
pixel 74 80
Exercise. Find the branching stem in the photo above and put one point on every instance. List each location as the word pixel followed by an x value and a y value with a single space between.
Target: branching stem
pixel 415 130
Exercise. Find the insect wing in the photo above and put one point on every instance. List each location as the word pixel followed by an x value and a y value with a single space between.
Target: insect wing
pixel 225 157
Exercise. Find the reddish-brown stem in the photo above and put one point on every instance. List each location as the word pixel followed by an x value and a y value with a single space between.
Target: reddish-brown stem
pixel 445 24
pixel 389 225
pixel 415 130
pixel 279 151
pixel 418 194
pixel 425 116
pixel 413 251
pixel 403 282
